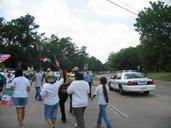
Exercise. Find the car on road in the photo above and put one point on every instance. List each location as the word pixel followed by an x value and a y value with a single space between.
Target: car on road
pixel 131 81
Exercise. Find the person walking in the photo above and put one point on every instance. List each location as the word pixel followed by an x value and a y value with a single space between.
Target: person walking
pixel 88 77
pixel 79 89
pixel 8 82
pixel 63 95
pixel 71 77
pixel 21 86
pixel 38 79
pixel 49 93
pixel 102 95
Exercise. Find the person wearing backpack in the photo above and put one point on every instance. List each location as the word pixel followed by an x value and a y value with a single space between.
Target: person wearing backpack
pixel 88 77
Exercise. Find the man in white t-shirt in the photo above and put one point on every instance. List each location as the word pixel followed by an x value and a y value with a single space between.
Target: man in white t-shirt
pixel 79 89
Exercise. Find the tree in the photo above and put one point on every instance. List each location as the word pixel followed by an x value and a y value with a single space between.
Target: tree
pixel 111 60
pixel 127 58
pixel 154 26
pixel 18 37
pixel 95 64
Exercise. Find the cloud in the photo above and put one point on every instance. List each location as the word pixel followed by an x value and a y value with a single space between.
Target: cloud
pixel 99 38
pixel 100 26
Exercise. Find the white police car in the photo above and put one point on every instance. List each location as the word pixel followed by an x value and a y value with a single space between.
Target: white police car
pixel 131 81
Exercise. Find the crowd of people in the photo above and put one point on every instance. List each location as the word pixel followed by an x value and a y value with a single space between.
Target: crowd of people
pixel 72 83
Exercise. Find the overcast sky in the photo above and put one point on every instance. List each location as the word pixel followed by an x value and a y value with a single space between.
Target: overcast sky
pixel 97 24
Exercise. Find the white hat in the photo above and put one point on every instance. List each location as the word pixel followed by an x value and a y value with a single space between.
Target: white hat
pixel 75 69
pixel 50 77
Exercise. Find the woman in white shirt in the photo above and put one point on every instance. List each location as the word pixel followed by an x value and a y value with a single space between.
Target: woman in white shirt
pixel 21 86
pixel 79 89
pixel 49 93
pixel 102 96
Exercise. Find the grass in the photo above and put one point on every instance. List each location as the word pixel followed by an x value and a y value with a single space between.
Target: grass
pixel 160 76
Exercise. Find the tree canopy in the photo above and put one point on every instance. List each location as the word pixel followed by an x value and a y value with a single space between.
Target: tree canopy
pixel 154 51
pixel 154 26
pixel 19 37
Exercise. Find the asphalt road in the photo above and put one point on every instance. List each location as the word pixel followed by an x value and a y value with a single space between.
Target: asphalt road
pixel 139 111
pixel 130 111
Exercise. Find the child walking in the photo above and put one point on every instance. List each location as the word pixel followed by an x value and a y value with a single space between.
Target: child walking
pixel 102 96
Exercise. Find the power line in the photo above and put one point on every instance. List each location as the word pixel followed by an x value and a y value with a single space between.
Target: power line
pixel 121 7
pixel 128 5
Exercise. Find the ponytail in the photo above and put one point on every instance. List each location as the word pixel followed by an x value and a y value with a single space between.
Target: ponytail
pixel 105 94
pixel 103 81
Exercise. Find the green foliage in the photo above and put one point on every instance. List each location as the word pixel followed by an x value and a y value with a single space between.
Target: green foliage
pixel 160 76
pixel 154 26
pixel 154 52
pixel 95 65
pixel 19 37
pixel 125 59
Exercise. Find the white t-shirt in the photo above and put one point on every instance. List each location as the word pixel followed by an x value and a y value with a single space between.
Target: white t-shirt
pixel 79 89
pixel 20 85
pixel 50 92
pixel 100 96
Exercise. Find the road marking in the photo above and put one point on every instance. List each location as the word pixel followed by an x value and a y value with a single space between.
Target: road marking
pixel 115 110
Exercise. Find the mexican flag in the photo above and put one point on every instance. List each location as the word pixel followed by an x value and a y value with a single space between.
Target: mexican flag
pixel 6 98
pixel 45 59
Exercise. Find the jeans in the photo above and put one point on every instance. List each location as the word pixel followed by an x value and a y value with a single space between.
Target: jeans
pixel 103 114
pixel 37 93
pixel 50 111
pixel 20 101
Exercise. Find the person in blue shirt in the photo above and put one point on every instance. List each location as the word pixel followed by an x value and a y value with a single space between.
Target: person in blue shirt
pixel 88 77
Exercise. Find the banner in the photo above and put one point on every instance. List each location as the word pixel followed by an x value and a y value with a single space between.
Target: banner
pixel 4 57
pixel 6 98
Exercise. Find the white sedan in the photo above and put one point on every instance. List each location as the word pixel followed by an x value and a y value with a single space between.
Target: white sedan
pixel 131 82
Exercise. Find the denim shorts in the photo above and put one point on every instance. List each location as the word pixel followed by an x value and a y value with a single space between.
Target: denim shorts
pixel 20 101
pixel 50 111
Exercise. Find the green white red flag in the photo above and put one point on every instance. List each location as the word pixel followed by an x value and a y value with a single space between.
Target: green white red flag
pixel 44 59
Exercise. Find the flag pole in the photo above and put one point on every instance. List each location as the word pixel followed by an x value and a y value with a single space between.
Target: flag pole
pixel 56 61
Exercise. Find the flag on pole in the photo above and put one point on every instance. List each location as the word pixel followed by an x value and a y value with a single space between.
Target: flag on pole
pixel 56 62
pixel 44 59
pixel 4 57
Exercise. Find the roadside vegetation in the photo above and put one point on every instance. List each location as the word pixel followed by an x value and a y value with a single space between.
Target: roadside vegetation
pixel 160 76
